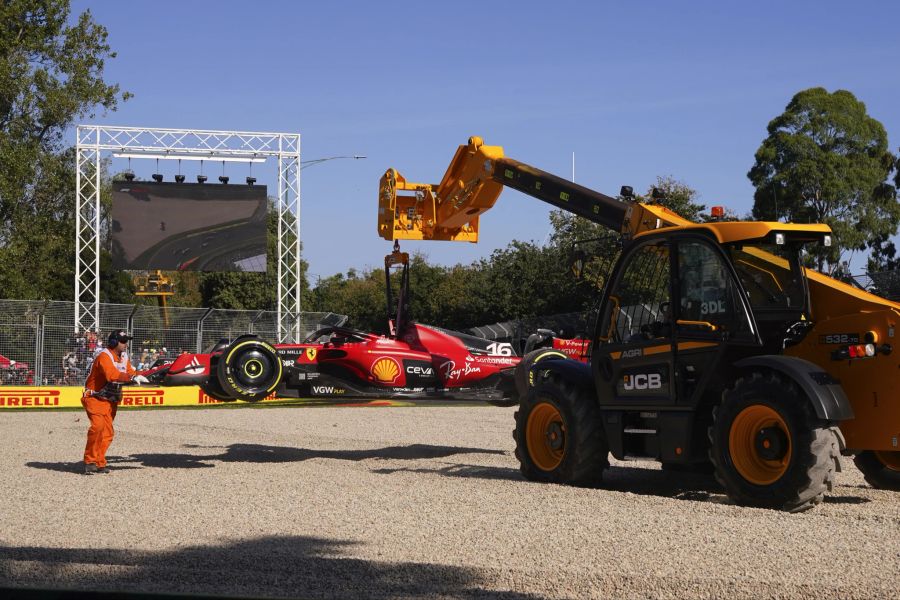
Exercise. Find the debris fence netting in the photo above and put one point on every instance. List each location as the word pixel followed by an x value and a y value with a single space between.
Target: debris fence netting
pixel 40 345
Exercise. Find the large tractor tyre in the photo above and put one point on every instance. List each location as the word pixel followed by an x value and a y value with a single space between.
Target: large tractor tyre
pixel 881 468
pixel 768 447
pixel 523 369
pixel 249 370
pixel 559 435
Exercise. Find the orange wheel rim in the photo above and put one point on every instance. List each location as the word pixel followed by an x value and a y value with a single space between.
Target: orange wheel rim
pixel 545 435
pixel 889 458
pixel 747 451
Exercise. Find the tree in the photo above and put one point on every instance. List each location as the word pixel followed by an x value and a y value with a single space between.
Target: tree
pixel 597 247
pixel 361 297
pixel 825 160
pixel 51 74
pixel 675 195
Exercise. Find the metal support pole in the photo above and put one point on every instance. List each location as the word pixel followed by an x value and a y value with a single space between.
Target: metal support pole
pixel 200 330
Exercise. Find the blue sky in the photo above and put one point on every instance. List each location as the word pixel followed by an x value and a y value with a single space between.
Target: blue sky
pixel 636 90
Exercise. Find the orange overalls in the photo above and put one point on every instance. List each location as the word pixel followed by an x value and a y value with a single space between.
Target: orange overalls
pixel 101 412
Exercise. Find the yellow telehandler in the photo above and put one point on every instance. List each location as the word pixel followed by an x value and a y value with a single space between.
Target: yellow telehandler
pixel 713 344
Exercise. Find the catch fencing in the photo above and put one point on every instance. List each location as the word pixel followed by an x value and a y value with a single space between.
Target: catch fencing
pixel 40 344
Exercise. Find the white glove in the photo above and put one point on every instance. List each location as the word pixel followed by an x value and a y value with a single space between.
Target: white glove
pixel 140 380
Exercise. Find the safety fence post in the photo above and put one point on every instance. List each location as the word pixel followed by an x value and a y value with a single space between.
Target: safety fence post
pixel 200 330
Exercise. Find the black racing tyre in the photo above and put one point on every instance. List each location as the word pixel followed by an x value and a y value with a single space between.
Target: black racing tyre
pixel 881 468
pixel 559 435
pixel 249 370
pixel 523 369
pixel 212 388
pixel 768 447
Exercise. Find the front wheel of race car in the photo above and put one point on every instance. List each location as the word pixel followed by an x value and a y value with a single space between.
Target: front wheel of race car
pixel 249 370
pixel 213 388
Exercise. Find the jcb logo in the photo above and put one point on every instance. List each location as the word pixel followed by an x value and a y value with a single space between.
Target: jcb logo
pixel 643 381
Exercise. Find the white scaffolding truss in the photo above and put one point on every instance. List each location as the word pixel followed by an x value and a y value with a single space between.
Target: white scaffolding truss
pixel 189 144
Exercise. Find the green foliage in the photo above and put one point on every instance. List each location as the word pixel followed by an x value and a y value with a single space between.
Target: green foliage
pixel 826 160
pixel 51 74
pixel 362 297
pixel 675 195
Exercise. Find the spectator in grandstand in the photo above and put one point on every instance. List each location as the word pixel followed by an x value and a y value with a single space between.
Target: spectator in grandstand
pixel 101 396
pixel 91 339
pixel 70 366
pixel 145 358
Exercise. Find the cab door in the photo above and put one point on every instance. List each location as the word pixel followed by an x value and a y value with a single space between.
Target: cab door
pixel 633 353
pixel 710 317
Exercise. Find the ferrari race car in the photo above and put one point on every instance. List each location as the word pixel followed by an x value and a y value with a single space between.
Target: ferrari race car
pixel 413 361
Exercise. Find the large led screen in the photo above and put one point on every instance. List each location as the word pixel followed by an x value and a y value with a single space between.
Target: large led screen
pixel 189 226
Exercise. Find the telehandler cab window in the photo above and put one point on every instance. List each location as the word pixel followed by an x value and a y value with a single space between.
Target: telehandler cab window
pixel 770 275
pixel 708 299
pixel 639 302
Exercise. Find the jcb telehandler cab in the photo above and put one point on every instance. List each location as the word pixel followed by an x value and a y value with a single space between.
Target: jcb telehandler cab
pixel 713 343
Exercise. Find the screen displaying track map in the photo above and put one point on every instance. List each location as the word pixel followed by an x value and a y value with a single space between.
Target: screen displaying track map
pixel 189 226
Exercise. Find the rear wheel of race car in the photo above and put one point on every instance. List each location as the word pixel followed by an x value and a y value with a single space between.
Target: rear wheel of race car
pixel 523 369
pixel 769 448
pixel 881 468
pixel 559 435
pixel 249 370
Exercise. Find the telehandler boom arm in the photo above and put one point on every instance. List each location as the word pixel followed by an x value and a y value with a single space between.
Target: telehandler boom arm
pixel 473 182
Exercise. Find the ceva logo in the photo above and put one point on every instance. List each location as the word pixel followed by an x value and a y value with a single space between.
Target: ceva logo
pixel 28 397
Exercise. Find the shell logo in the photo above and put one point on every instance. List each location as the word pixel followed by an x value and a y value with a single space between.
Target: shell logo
pixel 386 370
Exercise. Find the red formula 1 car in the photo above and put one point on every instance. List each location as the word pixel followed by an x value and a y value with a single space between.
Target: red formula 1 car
pixel 415 361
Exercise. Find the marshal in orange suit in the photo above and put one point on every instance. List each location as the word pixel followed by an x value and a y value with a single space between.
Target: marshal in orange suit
pixel 102 393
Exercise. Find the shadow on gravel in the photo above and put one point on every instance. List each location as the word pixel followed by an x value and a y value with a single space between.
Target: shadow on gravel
pixel 60 467
pixel 258 453
pixel 77 468
pixel 296 567
pixel 464 471
pixel 683 485
pixel 679 485
pixel 845 500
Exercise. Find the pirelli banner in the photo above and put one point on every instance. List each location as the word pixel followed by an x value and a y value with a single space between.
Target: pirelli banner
pixel 134 397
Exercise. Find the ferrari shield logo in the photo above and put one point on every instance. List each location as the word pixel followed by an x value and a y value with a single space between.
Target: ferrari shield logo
pixel 311 354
